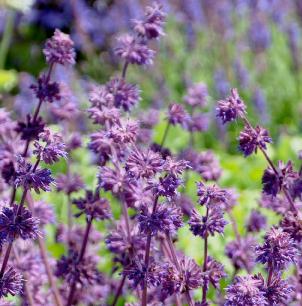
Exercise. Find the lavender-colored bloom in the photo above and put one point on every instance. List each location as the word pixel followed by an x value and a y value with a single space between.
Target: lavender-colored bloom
pixel 292 224
pixel 100 97
pixel 256 221
pixel 30 129
pixel 166 186
pixel 112 179
pixel 177 114
pixel 259 36
pixel 17 222
pixel 242 74
pixel 272 182
pixel 59 49
pixel 222 84
pixel 151 26
pixel 215 272
pixel 197 95
pixel 125 95
pixel 125 132
pixel 133 51
pixel 185 203
pixel 52 148
pixel 8 172
pixel 197 123
pixel 118 241
pixel 277 251
pixel 11 283
pixel 231 108
pixel 278 292
pixel 40 179
pixel 166 218
pixel 245 291
pixel 175 167
pixel 250 140
pixel 260 104
pixel 69 183
pixel 93 206
pixel 104 115
pixel 276 203
pixel 144 164
pixel 209 195
pixel 80 272
pixel 207 225
pixel 241 253
pixel 165 152
pixel 101 145
pixel 136 271
pixel 45 90
pixel 44 212
pixel 192 273
pixel 170 279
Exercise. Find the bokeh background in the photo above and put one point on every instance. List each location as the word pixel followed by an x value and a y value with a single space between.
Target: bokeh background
pixel 254 45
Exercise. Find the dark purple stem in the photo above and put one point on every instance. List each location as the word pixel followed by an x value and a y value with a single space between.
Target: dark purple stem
pixel 81 256
pixel 204 269
pixel 124 72
pixel 119 290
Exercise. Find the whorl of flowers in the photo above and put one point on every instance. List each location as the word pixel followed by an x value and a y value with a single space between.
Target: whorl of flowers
pixel 17 222
pixel 231 108
pixel 277 251
pixel 59 49
pixel 250 140
pixel 11 283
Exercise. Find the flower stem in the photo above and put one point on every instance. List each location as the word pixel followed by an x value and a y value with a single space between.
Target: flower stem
pixel 119 290
pixel 43 253
pixel 125 69
pixel 165 134
pixel 205 261
pixel 81 256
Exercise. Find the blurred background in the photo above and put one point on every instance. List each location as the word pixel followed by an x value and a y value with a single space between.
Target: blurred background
pixel 252 45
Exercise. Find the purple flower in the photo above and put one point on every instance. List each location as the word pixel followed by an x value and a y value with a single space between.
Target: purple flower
pixel 177 114
pixel 197 123
pixel 80 272
pixel 30 129
pixel 52 148
pixel 69 183
pixel 273 182
pixel 125 132
pixel 175 167
pixel 8 172
pixel 259 35
pixel 209 195
pixel 40 179
pixel 245 291
pixel 11 283
pixel 192 274
pixel 112 179
pixel 100 97
pixel 59 49
pixel 207 225
pixel 241 253
pixel 277 251
pixel 17 222
pixel 251 139
pixel 136 271
pixel 256 221
pixel 231 108
pixel 44 212
pixel 276 203
pixel 101 145
pixel 125 95
pixel 93 206
pixel 215 272
pixel 118 241
pixel 45 90
pixel 133 51
pixel 166 218
pixel 278 292
pixel 144 164
pixel 197 95
pixel 166 186
pixel 104 115
pixel 292 224
pixel 151 26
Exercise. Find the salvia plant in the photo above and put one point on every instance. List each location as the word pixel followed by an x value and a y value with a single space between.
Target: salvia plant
pixel 140 200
